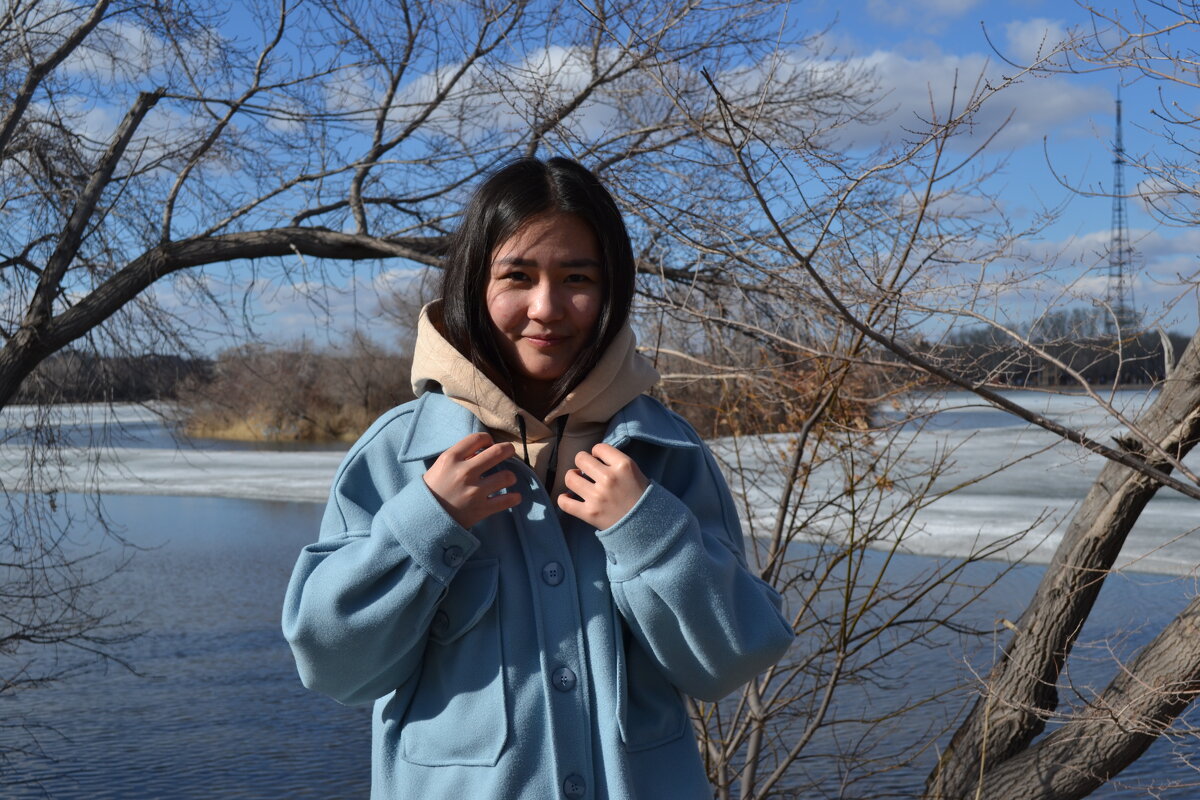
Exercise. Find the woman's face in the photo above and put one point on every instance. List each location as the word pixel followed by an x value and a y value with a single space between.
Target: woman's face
pixel 543 297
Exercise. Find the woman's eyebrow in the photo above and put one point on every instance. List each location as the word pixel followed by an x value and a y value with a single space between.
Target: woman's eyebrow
pixel 519 261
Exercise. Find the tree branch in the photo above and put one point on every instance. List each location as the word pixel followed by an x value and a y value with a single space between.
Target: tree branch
pixel 68 244
pixel 1022 686
pixel 39 71
pixel 1134 710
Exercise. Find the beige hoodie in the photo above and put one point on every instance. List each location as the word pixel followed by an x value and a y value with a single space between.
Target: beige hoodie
pixel 621 375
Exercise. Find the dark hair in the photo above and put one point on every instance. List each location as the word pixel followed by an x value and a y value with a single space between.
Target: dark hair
pixel 502 204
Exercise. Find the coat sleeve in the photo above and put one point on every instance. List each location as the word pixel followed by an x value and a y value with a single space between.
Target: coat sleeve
pixel 678 573
pixel 360 601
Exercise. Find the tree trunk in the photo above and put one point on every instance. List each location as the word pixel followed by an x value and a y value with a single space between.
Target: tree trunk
pixel 1022 687
pixel 1133 711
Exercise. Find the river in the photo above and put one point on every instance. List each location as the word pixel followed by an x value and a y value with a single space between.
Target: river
pixel 216 710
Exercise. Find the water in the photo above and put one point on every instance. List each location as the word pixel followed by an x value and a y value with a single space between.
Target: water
pixel 219 712
pixel 1131 609
pixel 1034 497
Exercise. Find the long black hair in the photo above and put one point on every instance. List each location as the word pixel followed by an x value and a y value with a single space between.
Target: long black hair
pixel 509 199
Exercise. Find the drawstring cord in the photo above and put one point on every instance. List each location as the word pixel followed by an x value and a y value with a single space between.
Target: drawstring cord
pixel 560 425
pixel 524 439
pixel 551 470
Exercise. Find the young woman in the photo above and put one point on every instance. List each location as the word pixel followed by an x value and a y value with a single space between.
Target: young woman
pixel 527 565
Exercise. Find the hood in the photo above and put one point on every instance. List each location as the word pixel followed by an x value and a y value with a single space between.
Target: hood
pixel 620 376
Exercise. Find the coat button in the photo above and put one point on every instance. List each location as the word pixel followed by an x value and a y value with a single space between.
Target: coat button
pixel 563 679
pixel 612 557
pixel 441 622
pixel 552 573
pixel 452 556
pixel 574 787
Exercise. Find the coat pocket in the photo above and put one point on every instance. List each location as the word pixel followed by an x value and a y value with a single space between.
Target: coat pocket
pixel 650 710
pixel 458 714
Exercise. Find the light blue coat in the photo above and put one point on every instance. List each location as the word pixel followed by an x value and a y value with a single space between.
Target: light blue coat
pixel 531 657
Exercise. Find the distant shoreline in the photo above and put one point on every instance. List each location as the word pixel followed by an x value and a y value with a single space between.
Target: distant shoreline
pixel 1073 389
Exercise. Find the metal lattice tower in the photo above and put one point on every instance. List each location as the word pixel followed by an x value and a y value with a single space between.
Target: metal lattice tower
pixel 1121 317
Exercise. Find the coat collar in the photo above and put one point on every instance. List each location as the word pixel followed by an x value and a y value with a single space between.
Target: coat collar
pixel 647 420
pixel 438 422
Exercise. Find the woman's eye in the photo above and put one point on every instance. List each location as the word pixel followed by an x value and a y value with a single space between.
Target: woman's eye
pixel 579 277
pixel 516 275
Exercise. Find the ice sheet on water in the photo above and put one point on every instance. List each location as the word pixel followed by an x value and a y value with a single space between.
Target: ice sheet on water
pixel 1095 415
pixel 1011 484
pixel 74 414
pixel 1037 491
pixel 260 475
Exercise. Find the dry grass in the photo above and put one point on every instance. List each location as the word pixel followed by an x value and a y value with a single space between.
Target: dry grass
pixel 295 393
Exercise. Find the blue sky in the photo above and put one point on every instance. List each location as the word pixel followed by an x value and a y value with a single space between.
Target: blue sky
pixel 1059 138
pixel 1058 135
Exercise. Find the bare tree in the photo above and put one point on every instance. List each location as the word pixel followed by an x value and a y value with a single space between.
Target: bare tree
pixel 996 749
pixel 142 151
pixel 878 282
pixel 152 154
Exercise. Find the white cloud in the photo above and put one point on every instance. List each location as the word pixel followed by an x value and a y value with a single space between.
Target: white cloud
pixel 916 90
pixel 1073 272
pixel 118 51
pixel 284 301
pixel 1170 195
pixel 954 8
pixel 1164 268
pixel 1033 39
pixel 505 97
pixel 1090 249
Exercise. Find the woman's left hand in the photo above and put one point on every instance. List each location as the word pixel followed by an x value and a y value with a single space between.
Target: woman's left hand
pixel 606 484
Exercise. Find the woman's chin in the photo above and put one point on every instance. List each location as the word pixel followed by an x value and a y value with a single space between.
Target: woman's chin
pixel 543 369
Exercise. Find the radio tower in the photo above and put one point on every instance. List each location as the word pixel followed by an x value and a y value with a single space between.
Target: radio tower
pixel 1121 319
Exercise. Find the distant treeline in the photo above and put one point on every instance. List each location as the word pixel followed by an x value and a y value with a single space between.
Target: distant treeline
pixel 299 392
pixel 71 376
pixel 987 355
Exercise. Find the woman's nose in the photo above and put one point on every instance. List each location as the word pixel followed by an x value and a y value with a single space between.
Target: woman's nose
pixel 546 302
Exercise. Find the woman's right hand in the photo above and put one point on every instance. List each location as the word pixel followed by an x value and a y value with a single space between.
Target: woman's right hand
pixel 457 480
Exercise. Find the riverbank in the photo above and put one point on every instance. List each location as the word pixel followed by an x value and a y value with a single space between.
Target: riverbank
pixel 345 427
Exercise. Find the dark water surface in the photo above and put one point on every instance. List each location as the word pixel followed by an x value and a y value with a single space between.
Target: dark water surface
pixel 219 712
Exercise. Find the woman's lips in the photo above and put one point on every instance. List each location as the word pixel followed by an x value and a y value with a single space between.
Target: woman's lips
pixel 545 341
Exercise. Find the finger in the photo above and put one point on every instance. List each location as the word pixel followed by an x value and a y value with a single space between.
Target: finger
pixel 470 444
pixel 608 454
pixel 489 457
pixel 588 464
pixel 502 502
pixel 572 506
pixel 577 482
pixel 493 483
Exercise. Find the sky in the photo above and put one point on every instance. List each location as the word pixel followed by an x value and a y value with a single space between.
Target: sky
pixel 1053 151
pixel 1057 148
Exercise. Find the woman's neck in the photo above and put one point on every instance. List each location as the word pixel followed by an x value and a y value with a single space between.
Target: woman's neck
pixel 535 397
